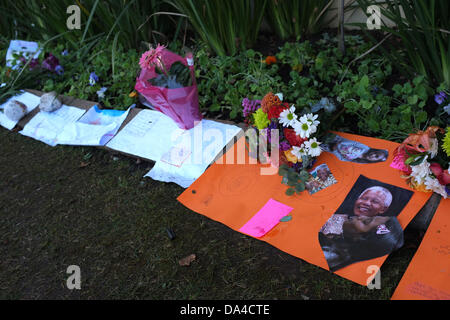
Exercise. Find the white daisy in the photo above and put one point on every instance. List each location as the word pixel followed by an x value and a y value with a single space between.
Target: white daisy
pixel 299 151
pixel 304 128
pixel 421 171
pixel 312 119
pixel 434 185
pixel 313 147
pixel 288 117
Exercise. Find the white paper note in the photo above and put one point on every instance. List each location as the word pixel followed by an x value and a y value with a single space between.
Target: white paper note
pixel 205 141
pixel 46 126
pixel 148 135
pixel 25 49
pixel 95 128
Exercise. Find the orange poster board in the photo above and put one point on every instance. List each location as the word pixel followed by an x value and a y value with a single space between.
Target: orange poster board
pixel 233 193
pixel 428 274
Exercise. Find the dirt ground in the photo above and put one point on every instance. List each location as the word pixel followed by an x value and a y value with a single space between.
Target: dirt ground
pixel 79 206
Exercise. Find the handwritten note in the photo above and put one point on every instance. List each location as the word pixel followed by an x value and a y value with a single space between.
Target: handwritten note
pixel 45 126
pixel 426 291
pixel 266 219
pixel 149 135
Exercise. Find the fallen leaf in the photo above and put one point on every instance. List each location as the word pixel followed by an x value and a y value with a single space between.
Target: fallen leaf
pixel 84 164
pixel 187 260
pixel 286 219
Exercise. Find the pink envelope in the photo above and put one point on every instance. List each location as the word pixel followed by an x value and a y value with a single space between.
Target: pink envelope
pixel 266 218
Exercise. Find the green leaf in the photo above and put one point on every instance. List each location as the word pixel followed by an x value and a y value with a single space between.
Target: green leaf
pixel 421 117
pixel 214 108
pixel 414 159
pixel 373 125
pixel 300 187
pixel 286 219
pixel 413 99
pixel 290 191
pixel 304 175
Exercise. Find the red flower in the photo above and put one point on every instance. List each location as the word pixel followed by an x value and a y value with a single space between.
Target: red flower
pixel 444 178
pixel 293 139
pixel 274 111
pixel 270 60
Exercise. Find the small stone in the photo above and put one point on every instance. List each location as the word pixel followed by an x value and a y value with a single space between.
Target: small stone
pixel 50 102
pixel 15 110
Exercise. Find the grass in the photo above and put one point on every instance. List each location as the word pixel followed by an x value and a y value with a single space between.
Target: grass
pixel 105 218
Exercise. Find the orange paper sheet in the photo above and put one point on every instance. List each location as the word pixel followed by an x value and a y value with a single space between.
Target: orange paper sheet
pixel 233 193
pixel 428 274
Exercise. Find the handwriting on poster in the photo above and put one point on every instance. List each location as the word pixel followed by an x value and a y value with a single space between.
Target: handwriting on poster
pixel 442 249
pixel 424 290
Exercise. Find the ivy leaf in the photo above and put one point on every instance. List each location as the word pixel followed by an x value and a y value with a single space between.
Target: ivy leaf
pixel 290 191
pixel 304 175
pixel 300 187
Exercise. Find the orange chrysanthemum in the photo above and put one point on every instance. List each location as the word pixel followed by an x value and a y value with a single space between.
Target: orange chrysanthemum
pixel 270 60
pixel 268 101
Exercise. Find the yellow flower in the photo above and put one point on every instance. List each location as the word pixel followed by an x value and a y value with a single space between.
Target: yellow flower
pixel 446 142
pixel 261 119
pixel 133 94
pixel 290 157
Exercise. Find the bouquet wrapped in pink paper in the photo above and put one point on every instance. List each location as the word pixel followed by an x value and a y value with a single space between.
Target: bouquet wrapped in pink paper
pixel 167 82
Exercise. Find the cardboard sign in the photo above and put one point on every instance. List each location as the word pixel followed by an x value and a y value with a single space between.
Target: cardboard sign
pixel 232 193
pixel 428 274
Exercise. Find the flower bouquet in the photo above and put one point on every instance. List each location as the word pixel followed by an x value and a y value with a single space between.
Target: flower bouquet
pixel 297 145
pixel 423 158
pixel 167 82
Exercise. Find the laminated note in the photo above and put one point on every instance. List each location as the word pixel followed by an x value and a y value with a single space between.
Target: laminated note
pixel 266 218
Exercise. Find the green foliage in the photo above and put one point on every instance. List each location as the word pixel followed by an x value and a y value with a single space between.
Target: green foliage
pixel 226 26
pixel 295 180
pixel 134 20
pixel 224 81
pixel 119 83
pixel 423 27
pixel 293 18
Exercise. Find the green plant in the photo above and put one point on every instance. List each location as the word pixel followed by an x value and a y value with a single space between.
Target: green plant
pixel 295 180
pixel 379 114
pixel 118 80
pixel 135 20
pixel 226 26
pixel 424 28
pixel 293 18
pixel 224 81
